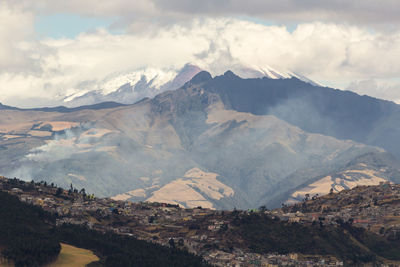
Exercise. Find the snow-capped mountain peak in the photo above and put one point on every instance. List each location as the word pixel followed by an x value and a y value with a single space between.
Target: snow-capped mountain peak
pixel 132 86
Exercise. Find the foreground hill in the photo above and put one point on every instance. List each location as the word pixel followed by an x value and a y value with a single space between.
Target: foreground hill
pixel 215 142
pixel 28 237
pixel 315 232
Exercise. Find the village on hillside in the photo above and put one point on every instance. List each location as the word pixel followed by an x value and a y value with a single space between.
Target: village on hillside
pixel 376 208
pixel 201 231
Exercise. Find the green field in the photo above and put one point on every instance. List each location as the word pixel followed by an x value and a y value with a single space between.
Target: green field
pixel 73 256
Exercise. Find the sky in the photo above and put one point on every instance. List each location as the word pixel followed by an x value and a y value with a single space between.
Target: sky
pixel 50 49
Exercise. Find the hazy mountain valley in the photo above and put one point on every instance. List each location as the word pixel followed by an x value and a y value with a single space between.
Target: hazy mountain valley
pixel 219 143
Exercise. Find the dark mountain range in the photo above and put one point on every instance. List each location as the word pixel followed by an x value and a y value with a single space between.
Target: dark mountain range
pixel 63 109
pixel 133 85
pixel 315 109
pixel 218 142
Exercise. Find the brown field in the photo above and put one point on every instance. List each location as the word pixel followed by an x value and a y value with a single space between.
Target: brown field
pixel 3 263
pixel 73 256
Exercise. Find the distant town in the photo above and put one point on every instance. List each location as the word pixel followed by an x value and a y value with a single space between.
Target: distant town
pixel 201 231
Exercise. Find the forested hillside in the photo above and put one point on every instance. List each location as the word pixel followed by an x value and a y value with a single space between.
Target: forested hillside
pixel 24 234
pixel 355 246
pixel 27 238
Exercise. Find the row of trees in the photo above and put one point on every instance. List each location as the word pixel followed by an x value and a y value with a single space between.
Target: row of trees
pixel 30 186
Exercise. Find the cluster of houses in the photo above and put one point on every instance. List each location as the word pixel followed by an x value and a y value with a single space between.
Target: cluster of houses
pixel 240 258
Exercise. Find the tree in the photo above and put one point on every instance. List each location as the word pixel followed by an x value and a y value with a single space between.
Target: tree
pixel 382 230
pixel 224 227
pixel 59 191
pixel 151 219
pixel 262 208
pixel 171 243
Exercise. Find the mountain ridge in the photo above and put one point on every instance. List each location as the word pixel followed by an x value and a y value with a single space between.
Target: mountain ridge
pixel 332 112
pixel 221 125
pixel 132 86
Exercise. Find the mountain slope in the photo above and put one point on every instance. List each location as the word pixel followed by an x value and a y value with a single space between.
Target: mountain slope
pixel 367 169
pixel 244 155
pixel 341 114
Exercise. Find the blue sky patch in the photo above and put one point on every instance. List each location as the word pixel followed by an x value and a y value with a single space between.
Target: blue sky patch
pixel 290 27
pixel 68 25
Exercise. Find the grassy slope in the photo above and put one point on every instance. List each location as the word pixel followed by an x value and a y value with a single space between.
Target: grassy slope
pixel 73 256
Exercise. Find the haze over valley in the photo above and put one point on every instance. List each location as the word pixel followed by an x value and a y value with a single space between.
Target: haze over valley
pixel 221 143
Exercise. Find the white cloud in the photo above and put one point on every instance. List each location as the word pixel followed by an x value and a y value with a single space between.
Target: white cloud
pixel 388 90
pixel 15 29
pixel 333 54
pixel 365 12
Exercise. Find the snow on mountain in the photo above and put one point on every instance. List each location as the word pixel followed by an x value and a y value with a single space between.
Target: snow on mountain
pixel 248 71
pixel 155 77
pixel 133 86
